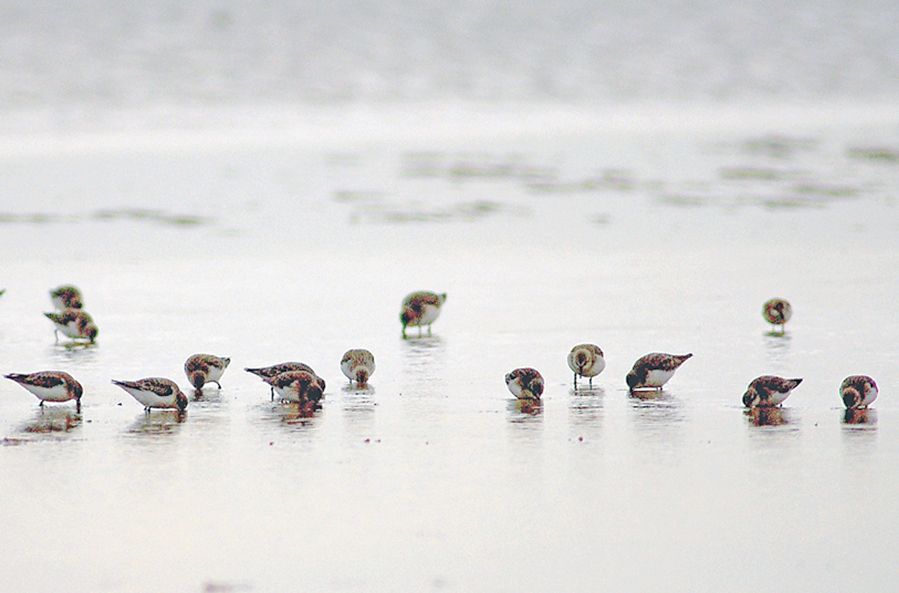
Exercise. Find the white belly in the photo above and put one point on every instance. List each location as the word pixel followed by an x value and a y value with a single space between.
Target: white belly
pixel 151 400
pixel 776 398
pixel 50 394
pixel 591 370
pixel 350 371
pixel 347 369
pixel 429 315
pixel 70 330
pixel 289 393
pixel 215 373
pixel 870 397
pixel 58 304
pixel 657 378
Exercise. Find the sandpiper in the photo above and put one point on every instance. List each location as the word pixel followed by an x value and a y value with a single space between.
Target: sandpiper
pixel 777 311
pixel 358 364
pixel 586 360
pixel 300 387
pixel 525 383
pixel 155 392
pixel 73 323
pixel 653 370
pixel 205 368
pixel 267 373
pixel 66 297
pixel 50 386
pixel 421 308
pixel 858 391
pixel 768 391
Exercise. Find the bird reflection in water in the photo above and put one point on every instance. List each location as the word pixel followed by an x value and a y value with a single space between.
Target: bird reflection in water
pixel 657 416
pixel 521 410
pixel 864 417
pixel 767 416
pixel 301 414
pixel 777 345
pixel 649 395
pixel 68 352
pixel 158 422
pixel 585 405
pixel 362 393
pixel 53 420
pixel 420 351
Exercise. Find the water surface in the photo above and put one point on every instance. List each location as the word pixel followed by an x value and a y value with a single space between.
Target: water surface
pixel 638 239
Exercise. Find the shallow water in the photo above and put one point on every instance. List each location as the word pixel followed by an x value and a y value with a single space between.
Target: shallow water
pixel 434 479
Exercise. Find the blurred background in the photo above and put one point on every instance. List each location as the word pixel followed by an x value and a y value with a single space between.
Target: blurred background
pixel 88 63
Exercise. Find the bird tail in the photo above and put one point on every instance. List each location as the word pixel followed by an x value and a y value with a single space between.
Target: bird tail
pixel 17 377
pixel 128 384
pixel 54 317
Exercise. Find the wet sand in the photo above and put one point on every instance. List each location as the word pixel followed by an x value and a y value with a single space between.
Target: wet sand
pixel 638 239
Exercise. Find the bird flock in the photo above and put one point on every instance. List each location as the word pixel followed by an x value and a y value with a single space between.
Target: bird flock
pixel 297 383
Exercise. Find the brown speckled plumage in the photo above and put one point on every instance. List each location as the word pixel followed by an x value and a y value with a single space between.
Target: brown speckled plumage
pixel 768 390
pixel 530 380
pixel 205 368
pixel 307 385
pixel 158 385
pixel 413 308
pixel 84 323
pixel 69 295
pixel 202 362
pixel 269 372
pixel 857 391
pixel 167 391
pixel 49 380
pixel 277 369
pixel 777 311
pixel 654 361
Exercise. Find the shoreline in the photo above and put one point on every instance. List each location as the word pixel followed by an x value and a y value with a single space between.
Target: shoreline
pixel 414 124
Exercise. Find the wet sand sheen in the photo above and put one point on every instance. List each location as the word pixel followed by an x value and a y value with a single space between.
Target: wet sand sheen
pixel 434 478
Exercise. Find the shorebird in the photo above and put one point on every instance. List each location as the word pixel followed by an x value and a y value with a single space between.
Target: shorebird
pixel 525 383
pixel 73 323
pixel 358 364
pixel 269 372
pixel 777 312
pixel 421 308
pixel 858 391
pixel 50 386
pixel 653 370
pixel 768 391
pixel 155 392
pixel 66 297
pixel 586 360
pixel 300 387
pixel 205 368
